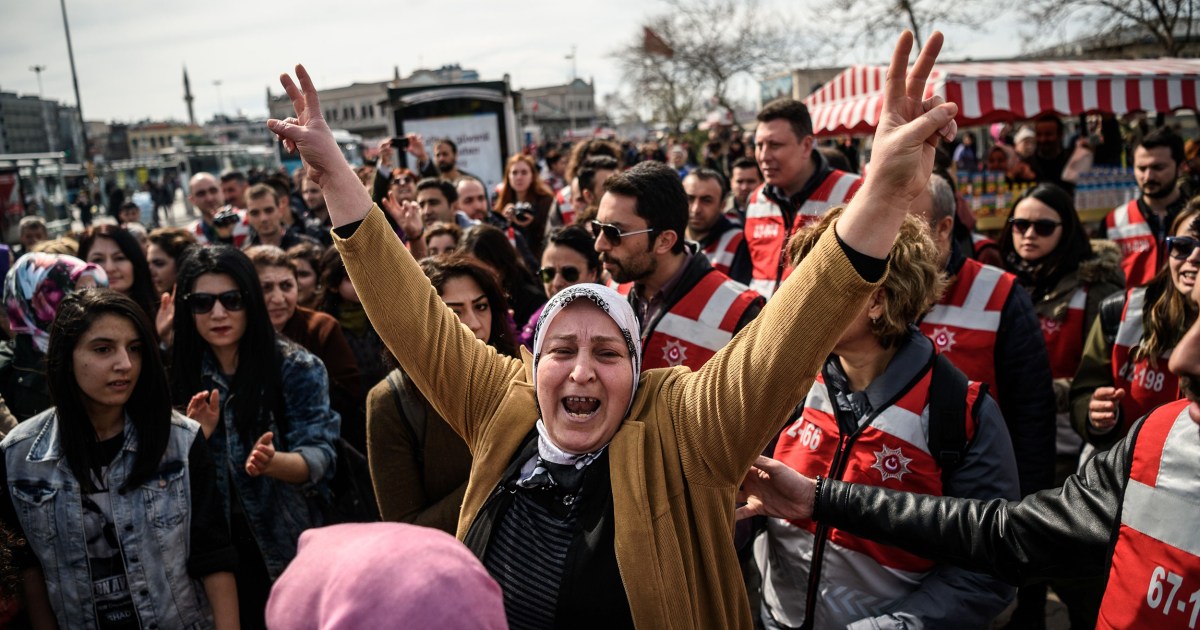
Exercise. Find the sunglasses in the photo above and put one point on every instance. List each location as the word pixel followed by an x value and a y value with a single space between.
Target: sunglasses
pixel 570 274
pixel 612 233
pixel 1181 247
pixel 401 181
pixel 202 303
pixel 1041 227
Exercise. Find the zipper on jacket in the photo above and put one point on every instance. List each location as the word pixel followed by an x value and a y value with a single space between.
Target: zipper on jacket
pixel 836 470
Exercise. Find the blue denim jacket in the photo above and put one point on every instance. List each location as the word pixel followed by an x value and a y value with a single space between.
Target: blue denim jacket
pixel 277 511
pixel 153 525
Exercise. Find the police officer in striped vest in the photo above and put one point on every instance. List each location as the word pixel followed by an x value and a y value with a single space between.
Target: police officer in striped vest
pixel 987 327
pixel 687 310
pixel 1129 516
pixel 800 187
pixel 1141 225
pixel 721 240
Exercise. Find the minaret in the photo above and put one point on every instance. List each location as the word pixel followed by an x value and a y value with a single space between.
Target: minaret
pixel 187 97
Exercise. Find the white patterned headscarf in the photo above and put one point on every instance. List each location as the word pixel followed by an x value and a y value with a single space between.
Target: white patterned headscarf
pixel 615 306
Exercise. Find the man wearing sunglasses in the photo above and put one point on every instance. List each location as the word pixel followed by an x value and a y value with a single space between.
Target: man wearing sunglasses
pixel 1141 225
pixel 687 309
pixel 800 187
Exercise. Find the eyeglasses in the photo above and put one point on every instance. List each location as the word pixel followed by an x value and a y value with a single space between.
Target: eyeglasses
pixel 1041 227
pixel 401 181
pixel 1181 247
pixel 570 274
pixel 202 303
pixel 613 233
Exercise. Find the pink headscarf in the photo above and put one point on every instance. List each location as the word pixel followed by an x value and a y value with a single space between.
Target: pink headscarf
pixel 383 575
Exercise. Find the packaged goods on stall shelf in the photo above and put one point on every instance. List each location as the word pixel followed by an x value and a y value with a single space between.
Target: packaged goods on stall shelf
pixel 989 194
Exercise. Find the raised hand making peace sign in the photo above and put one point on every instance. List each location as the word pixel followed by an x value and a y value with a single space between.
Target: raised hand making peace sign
pixel 902 153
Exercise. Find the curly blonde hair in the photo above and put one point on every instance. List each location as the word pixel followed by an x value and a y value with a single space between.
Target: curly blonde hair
pixel 914 283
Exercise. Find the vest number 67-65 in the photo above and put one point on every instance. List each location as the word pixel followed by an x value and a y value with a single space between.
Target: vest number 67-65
pixel 808 434
pixel 1159 581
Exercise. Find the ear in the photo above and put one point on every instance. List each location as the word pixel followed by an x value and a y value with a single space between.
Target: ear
pixel 806 144
pixel 665 241
pixel 877 304
pixel 943 229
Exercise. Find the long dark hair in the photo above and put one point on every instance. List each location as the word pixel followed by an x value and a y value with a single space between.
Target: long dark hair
pixel 1073 247
pixel 142 290
pixel 442 269
pixel 333 272
pixel 490 245
pixel 148 408
pixel 257 386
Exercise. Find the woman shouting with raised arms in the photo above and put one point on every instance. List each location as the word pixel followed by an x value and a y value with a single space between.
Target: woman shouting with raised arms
pixel 596 497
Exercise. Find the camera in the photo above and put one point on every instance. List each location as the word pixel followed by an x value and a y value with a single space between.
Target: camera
pixel 400 144
pixel 225 218
pixel 523 210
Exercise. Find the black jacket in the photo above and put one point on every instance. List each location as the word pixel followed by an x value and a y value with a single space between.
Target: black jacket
pixel 1066 532
pixel 23 378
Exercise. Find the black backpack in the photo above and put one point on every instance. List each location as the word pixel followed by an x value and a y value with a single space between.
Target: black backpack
pixel 948 441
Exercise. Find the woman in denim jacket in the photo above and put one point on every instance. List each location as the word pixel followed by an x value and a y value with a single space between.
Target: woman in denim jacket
pixel 113 490
pixel 266 414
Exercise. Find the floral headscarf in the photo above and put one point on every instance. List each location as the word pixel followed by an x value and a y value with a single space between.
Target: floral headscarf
pixel 36 285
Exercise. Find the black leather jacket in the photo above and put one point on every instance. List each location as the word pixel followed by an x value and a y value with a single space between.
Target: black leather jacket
pixel 1061 532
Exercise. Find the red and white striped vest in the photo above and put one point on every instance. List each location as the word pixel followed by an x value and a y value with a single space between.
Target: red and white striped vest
pixel 1139 250
pixel 979 243
pixel 859 578
pixel 722 251
pixel 241 231
pixel 1064 340
pixel 767 235
pixel 696 326
pixel 963 324
pixel 1154 579
pixel 1146 386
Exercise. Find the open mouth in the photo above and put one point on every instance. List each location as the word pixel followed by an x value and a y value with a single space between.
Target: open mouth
pixel 580 407
pixel 121 384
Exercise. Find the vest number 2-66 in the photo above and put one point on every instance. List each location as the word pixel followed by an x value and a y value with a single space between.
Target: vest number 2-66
pixel 808 434
pixel 1159 595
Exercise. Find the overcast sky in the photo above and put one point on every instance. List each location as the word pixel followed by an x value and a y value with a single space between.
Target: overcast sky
pixel 130 54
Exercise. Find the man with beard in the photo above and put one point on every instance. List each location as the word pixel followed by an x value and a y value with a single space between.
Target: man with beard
pixel 1050 158
pixel 1129 515
pixel 445 158
pixel 687 310
pixel 1141 225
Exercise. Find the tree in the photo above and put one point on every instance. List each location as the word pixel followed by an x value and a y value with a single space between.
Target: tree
pixel 697 48
pixel 876 22
pixel 1170 22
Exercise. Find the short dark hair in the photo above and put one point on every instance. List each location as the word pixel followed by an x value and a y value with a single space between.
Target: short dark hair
pixel 659 197
pixel 1058 123
pixel 1164 137
pixel 448 142
pixel 233 176
pixel 448 189
pixel 281 184
pixel 552 157
pixel 258 191
pixel 129 205
pixel 174 241
pixel 790 110
pixel 746 162
pixel 711 175
pixel 148 407
pixel 578 239
pixel 587 172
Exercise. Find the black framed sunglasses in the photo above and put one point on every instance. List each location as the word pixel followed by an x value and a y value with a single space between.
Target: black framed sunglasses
pixel 612 233
pixel 1041 227
pixel 1181 247
pixel 570 274
pixel 202 303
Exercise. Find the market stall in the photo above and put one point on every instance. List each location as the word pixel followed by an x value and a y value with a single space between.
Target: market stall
pixel 1001 91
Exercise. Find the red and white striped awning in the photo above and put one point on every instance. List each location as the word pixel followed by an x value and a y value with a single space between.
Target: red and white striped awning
pixel 988 92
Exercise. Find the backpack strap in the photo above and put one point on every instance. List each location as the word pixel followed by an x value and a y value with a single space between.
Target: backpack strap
pixel 1111 309
pixel 413 412
pixel 947 415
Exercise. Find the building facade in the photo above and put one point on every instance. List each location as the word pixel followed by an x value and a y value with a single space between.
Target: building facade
pixel 558 109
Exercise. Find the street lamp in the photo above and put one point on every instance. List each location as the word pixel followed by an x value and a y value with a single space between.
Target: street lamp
pixel 220 102
pixel 38 71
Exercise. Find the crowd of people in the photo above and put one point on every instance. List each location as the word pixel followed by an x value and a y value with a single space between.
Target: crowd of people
pixel 582 372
